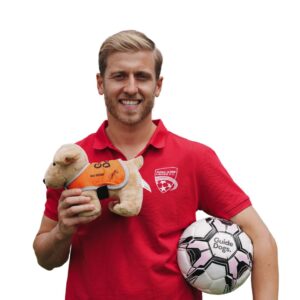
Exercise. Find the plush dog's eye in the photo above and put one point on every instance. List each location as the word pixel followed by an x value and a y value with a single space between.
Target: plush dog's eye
pixel 54 164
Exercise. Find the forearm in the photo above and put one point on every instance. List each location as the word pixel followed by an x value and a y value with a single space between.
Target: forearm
pixel 265 259
pixel 265 269
pixel 51 248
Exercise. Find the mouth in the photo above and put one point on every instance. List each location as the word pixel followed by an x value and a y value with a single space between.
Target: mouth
pixel 130 102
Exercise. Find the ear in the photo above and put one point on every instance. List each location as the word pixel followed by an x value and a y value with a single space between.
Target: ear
pixel 158 86
pixel 100 80
pixel 67 154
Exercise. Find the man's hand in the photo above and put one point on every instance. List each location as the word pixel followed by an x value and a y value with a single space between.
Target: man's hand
pixel 52 242
pixel 71 204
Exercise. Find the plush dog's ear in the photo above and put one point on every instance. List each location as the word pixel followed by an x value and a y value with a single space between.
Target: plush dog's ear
pixel 67 154
pixel 70 158
pixel 139 161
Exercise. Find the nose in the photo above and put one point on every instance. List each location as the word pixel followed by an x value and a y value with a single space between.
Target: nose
pixel 44 180
pixel 131 87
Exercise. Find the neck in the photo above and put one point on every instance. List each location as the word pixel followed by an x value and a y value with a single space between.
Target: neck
pixel 130 139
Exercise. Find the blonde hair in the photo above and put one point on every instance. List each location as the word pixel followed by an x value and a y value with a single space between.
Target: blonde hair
pixel 128 41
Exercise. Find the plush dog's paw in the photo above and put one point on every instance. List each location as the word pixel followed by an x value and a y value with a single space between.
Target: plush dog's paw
pixel 122 210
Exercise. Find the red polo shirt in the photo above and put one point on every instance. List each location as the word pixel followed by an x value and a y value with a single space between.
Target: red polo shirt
pixel 134 258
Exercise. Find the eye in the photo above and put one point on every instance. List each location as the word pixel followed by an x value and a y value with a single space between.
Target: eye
pixel 118 76
pixel 143 76
pixel 54 164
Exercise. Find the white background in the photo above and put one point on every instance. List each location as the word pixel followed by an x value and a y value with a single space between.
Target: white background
pixel 231 70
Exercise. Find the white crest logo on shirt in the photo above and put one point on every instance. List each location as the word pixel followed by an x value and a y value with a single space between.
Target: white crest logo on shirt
pixel 165 179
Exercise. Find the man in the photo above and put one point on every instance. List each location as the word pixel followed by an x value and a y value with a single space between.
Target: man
pixel 113 257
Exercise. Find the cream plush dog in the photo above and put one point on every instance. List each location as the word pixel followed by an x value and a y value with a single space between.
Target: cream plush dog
pixel 119 179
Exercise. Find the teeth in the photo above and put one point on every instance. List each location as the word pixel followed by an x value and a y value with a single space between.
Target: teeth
pixel 130 102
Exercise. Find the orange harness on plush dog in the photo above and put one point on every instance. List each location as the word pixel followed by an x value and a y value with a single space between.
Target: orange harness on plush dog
pixel 113 174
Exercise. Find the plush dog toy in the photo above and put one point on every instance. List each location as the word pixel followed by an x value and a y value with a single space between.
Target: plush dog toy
pixel 114 178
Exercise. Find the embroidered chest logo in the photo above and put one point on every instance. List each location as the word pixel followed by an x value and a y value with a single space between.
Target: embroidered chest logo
pixel 165 179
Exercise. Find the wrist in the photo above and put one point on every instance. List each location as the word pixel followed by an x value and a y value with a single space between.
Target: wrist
pixel 60 235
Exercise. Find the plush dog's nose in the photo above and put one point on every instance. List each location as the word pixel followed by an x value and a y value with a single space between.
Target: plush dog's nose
pixel 44 180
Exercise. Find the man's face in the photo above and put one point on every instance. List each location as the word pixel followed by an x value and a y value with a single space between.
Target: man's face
pixel 129 86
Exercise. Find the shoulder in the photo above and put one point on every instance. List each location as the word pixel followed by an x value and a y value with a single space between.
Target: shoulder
pixel 197 155
pixel 88 145
pixel 87 142
pixel 189 146
pixel 96 140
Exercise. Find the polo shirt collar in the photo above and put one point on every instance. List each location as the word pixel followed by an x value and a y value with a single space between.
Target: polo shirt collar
pixel 158 139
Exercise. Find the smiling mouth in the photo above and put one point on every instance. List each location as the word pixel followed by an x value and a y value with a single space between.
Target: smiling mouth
pixel 130 102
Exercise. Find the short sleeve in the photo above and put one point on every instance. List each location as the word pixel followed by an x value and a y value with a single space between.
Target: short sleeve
pixel 53 196
pixel 219 195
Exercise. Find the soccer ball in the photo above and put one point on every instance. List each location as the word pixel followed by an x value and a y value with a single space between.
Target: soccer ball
pixel 215 255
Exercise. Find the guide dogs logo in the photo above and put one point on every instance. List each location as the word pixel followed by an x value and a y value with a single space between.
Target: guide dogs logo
pixel 165 179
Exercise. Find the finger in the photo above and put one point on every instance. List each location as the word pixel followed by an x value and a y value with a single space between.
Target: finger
pixel 70 193
pixel 69 223
pixel 77 209
pixel 86 219
pixel 74 200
